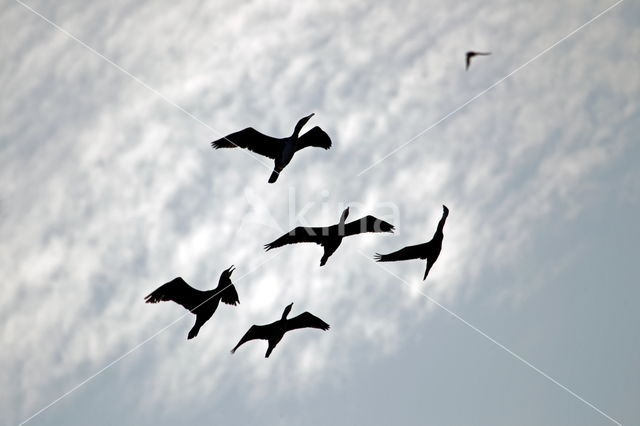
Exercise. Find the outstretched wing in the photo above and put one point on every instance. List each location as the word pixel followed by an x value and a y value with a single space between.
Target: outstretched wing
pixel 314 137
pixel 300 234
pixel 367 224
pixel 254 333
pixel 176 290
pixel 406 253
pixel 306 320
pixel 252 140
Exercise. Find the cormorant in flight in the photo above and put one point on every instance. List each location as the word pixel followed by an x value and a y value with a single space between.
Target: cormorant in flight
pixel 201 303
pixel 330 237
pixel 429 250
pixel 471 54
pixel 273 332
pixel 281 150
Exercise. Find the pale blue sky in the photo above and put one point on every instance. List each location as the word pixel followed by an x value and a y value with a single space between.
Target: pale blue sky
pixel 108 190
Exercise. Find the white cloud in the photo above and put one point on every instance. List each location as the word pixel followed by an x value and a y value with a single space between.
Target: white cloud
pixel 108 191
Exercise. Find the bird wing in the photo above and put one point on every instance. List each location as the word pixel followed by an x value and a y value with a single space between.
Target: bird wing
pixel 406 253
pixel 176 290
pixel 306 320
pixel 300 234
pixel 367 224
pixel 226 289
pixel 255 332
pixel 230 295
pixel 252 140
pixel 314 137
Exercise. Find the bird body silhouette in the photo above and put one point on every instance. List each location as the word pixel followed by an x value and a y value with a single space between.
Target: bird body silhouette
pixel 274 332
pixel 429 250
pixel 201 303
pixel 281 150
pixel 330 237
pixel 471 54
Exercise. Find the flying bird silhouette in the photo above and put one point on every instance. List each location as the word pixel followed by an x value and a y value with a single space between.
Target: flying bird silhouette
pixel 330 237
pixel 273 332
pixel 201 303
pixel 429 250
pixel 281 150
pixel 471 54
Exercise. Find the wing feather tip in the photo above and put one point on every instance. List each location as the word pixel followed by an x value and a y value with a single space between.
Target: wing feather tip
pixel 386 227
pixel 151 299
pixel 220 143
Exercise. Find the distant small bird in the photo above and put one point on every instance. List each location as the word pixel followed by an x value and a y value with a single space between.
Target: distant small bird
pixel 429 250
pixel 280 150
pixel 201 303
pixel 330 237
pixel 274 332
pixel 471 54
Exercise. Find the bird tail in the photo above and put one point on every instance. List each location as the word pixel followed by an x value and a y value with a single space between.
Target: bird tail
pixel 193 332
pixel 274 175
pixel 269 350
pixel 426 271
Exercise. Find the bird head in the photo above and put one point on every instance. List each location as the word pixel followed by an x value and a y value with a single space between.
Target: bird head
pixel 229 271
pixel 307 118
pixel 345 215
pixel 287 310
pixel 445 211
pixel 301 123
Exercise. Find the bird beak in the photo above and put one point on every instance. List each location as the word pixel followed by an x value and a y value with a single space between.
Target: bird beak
pixel 231 269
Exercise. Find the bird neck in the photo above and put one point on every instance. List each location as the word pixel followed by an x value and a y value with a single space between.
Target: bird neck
pixel 298 128
pixel 441 224
pixel 341 223
pixel 285 313
pixel 344 216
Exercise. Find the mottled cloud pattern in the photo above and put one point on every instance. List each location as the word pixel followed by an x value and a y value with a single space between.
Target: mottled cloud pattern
pixel 107 191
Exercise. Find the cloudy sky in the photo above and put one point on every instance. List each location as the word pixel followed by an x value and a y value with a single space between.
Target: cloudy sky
pixel 109 188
